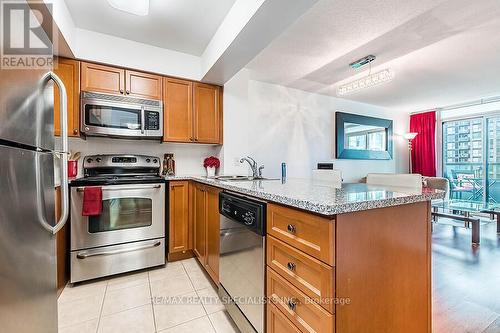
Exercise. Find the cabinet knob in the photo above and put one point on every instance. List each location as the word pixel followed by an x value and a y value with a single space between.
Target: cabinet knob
pixel 75 131
pixel 128 92
pixel 291 228
pixel 292 304
pixel 121 91
pixel 291 266
pixel 191 138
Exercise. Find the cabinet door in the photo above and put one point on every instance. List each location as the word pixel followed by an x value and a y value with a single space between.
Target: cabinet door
pixel 68 71
pixel 178 110
pixel 200 222
pixel 100 78
pixel 207 116
pixel 213 233
pixel 178 237
pixel 143 85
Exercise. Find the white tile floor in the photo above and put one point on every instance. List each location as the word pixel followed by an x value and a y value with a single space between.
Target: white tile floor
pixel 176 298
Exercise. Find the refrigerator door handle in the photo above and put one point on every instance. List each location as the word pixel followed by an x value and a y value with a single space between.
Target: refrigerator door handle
pixel 63 101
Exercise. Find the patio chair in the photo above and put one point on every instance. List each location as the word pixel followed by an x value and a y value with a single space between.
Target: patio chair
pixel 462 182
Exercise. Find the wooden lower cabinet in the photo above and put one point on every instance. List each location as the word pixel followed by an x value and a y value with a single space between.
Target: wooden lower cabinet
pixel 305 314
pixel 206 228
pixel 200 222
pixel 213 233
pixel 384 268
pixel 278 322
pixel 311 276
pixel 178 229
pixel 300 281
pixel 312 234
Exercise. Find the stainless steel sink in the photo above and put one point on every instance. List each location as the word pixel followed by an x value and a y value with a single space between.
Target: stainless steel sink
pixel 233 177
pixel 240 178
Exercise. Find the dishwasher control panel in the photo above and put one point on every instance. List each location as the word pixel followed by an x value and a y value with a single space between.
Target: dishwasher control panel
pixel 245 211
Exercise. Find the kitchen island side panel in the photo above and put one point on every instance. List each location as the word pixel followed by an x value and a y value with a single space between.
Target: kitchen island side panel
pixel 383 268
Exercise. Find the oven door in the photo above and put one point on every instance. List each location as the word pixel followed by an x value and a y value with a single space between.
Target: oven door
pixel 130 213
pixel 103 118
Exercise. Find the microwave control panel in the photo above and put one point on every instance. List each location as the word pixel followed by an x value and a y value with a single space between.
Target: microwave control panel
pixel 152 120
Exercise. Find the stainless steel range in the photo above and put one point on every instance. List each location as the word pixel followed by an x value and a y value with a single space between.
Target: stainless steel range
pixel 129 234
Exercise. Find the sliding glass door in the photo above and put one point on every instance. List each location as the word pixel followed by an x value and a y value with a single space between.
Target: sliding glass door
pixel 493 160
pixel 471 158
pixel 463 158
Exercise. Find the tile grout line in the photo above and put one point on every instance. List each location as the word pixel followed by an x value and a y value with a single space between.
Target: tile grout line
pixel 194 288
pixel 102 307
pixel 196 291
pixel 151 302
pixel 183 323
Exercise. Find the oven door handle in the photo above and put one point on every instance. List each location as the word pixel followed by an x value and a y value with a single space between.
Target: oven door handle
pixel 131 188
pixel 95 253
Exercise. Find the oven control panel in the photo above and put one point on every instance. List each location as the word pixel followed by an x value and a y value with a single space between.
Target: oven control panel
pixel 123 161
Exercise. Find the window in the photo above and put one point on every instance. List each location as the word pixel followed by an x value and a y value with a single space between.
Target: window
pixel 471 158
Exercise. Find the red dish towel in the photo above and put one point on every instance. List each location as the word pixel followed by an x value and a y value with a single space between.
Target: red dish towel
pixel 92 201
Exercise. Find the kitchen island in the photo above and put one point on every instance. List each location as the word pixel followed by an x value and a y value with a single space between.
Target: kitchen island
pixel 356 258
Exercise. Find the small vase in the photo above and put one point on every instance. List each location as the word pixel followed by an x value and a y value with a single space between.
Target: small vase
pixel 210 172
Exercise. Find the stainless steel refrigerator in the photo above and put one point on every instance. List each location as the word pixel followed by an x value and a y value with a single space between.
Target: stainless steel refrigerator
pixel 28 295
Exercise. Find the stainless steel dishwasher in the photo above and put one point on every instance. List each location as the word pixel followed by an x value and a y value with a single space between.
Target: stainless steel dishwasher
pixel 242 260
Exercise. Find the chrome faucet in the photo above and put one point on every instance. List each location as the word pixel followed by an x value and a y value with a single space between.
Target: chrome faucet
pixel 253 165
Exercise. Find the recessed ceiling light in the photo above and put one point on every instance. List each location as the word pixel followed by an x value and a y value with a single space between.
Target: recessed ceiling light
pixel 136 7
pixel 371 80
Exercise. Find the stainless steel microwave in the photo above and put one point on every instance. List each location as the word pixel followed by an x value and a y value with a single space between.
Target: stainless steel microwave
pixel 120 116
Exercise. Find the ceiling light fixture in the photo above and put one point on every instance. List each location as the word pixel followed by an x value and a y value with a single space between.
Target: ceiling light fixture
pixel 136 7
pixel 362 62
pixel 371 80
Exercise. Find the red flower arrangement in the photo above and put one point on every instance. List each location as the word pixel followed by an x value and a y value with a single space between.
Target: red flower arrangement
pixel 211 162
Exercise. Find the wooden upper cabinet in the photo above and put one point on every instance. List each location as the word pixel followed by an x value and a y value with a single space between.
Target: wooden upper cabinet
pixel 213 233
pixel 143 85
pixel 68 70
pixel 178 240
pixel 207 122
pixel 200 221
pixel 178 110
pixel 100 78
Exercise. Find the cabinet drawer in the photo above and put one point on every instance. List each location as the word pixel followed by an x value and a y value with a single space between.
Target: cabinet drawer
pixel 278 322
pixel 307 232
pixel 297 307
pixel 313 277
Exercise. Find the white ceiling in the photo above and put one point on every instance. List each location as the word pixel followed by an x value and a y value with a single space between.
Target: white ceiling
pixel 181 25
pixel 442 51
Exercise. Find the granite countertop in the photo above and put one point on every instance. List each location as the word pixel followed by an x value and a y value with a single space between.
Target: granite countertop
pixel 322 198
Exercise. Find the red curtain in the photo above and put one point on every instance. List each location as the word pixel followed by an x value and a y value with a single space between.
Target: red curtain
pixel 423 155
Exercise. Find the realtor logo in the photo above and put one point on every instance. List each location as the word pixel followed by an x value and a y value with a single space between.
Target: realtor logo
pixel 25 44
